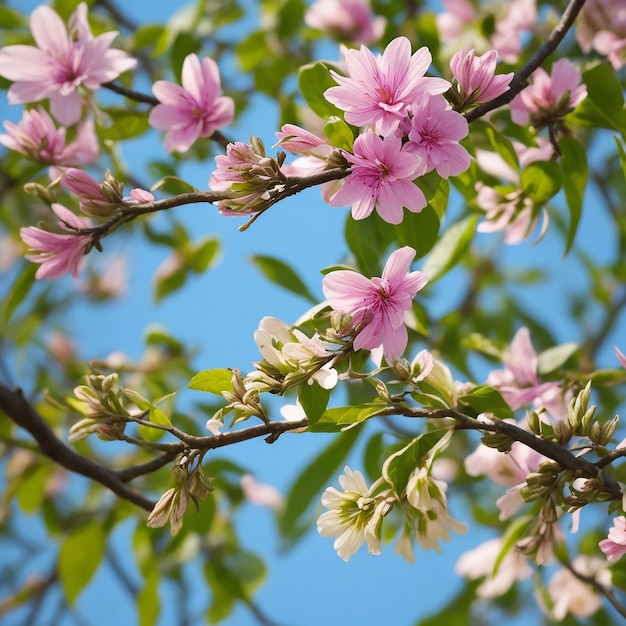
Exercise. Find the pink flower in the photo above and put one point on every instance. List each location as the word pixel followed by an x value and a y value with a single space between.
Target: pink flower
pixel 246 172
pixel 61 63
pixel 259 493
pixel 621 357
pixel 377 305
pixel 92 197
pixel 141 196
pixel 549 96
pixel 37 137
pixel 381 176
pixel 476 79
pixel 194 110
pixel 520 16
pixel 614 546
pixel 601 25
pixel 347 19
pixel 519 384
pixel 435 130
pixel 301 141
pixel 58 254
pixel 379 90
pixel 455 17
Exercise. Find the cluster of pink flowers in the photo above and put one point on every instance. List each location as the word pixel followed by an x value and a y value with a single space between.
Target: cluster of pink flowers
pixel 346 19
pixel 62 63
pixel 377 305
pixel 601 25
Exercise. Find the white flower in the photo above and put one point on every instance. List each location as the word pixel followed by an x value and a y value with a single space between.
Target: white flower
pixel 432 526
pixel 354 516
pixel 570 595
pixel 480 562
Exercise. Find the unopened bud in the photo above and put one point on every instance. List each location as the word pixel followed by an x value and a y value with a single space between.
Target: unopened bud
pixel 534 422
pixel 109 382
pixel 39 191
pixel 341 322
pixel 110 432
pixel 160 513
pixel 563 432
pixel 199 485
pixel 403 369
pixel 607 431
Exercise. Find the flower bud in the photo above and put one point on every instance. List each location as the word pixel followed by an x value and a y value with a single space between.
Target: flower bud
pixel 39 191
pixel 402 368
pixel 160 513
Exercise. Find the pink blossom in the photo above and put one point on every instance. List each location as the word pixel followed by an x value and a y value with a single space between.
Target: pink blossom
pixel 259 493
pixel 380 89
pixel 58 254
pixel 621 357
pixel 194 110
pixel 347 19
pixel 301 141
pixel 61 63
pixel 435 131
pixel 519 383
pixel 520 17
pixel 550 96
pixel 37 137
pixel 614 546
pixel 601 25
pixel 141 196
pixel 377 305
pixel 454 18
pixel 381 176
pixel 91 195
pixel 476 79
pixel 248 174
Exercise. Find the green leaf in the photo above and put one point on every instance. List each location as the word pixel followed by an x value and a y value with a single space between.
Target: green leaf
pixel 201 254
pixel 170 281
pixel 292 520
pixel 80 555
pixel 11 19
pixel 485 399
pixel 31 488
pixel 575 174
pixel 336 419
pixel 449 248
pixel 314 400
pixel 622 154
pixel 173 185
pixel 253 50
pixel 541 180
pixel 399 467
pixel 157 416
pixel 148 606
pixel 283 275
pixel 313 80
pixel 553 358
pixel 418 230
pixel 122 124
pixel 340 134
pixel 19 290
pixel 515 531
pixel 368 240
pixel 212 381
pixel 500 144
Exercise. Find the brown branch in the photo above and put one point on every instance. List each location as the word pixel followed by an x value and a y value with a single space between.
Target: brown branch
pixel 19 410
pixel 520 80
pixel 601 589
pixel 550 449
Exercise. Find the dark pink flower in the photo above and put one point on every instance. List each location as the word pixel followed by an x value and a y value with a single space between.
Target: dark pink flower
pixel 37 137
pixel 379 89
pixel 58 254
pixel 476 79
pixel 378 305
pixel 298 140
pixel 197 109
pixel 381 176
pixel 549 96
pixel 434 134
pixel 61 63
pixel 614 546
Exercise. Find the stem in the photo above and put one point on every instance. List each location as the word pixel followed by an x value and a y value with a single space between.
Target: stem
pixel 520 80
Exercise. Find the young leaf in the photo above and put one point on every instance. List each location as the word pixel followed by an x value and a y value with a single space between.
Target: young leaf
pixel 19 290
pixel 553 358
pixel 283 275
pixel 212 381
pixel 314 400
pixel 485 399
pixel 541 181
pixel 338 418
pixel 339 133
pixel 79 558
pixel 313 80
pixel 575 173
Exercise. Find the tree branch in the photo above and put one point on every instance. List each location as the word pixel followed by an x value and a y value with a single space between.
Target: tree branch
pixel 520 80
pixel 18 409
